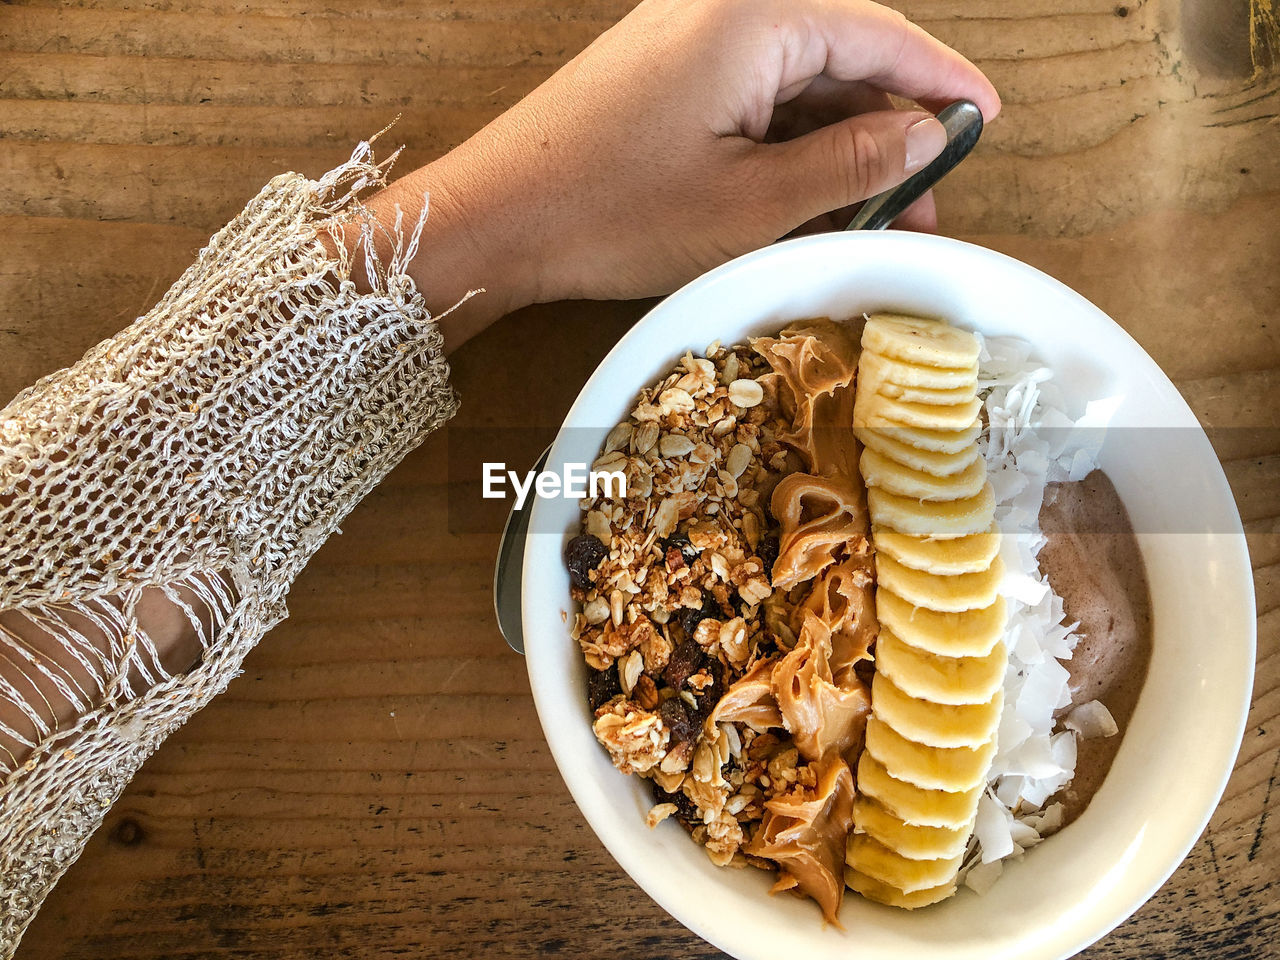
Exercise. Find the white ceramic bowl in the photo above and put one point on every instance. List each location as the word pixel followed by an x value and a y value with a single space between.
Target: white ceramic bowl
pixel 1183 738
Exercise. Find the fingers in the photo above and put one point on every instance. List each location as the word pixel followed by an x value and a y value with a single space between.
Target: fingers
pixel 847 161
pixel 860 40
pixel 824 101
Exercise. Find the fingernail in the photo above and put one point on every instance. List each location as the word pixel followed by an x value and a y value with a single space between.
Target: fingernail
pixel 925 140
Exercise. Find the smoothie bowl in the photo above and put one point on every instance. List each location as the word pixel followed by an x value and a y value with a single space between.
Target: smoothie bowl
pixel 749 632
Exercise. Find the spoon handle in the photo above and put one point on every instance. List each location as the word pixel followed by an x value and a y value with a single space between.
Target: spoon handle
pixel 963 122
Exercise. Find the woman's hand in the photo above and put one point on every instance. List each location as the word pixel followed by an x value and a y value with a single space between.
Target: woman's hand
pixel 670 145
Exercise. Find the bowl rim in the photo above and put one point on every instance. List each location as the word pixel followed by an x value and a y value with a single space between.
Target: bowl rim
pixel 633 861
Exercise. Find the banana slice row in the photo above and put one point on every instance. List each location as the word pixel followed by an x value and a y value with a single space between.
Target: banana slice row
pixel 891 896
pixel 934 768
pixel 910 840
pixel 940 661
pixel 885 473
pixel 954 681
pixel 941 555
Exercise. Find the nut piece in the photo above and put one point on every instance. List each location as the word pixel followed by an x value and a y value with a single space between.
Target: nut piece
pixel 666 517
pixel 659 813
pixel 676 762
pixel 646 437
pixel 720 566
pixel 730 372
pixel 745 393
pixel 629 669
pixel 755 590
pixel 675 445
pixel 596 611
pixel 646 692
pixel 597 524
pixel 656 651
pixel 733 641
pixel 739 458
pixel 707 632
pixel 675 400
pixel 618 437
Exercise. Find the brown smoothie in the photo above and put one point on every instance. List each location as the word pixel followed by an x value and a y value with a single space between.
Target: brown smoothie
pixel 1093 562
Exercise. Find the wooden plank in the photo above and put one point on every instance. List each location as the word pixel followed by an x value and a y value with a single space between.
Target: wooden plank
pixel 376 783
pixel 222 36
pixel 50 78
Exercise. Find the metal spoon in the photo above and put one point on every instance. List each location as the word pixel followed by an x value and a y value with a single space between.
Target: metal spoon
pixel 509 570
pixel 963 122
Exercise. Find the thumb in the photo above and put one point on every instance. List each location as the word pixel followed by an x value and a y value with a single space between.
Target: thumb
pixel 852 160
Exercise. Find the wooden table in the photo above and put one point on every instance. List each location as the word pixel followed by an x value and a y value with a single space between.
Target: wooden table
pixel 376 784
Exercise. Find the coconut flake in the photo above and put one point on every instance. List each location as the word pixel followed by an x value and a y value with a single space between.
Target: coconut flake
pixel 1033 759
pixel 1031 440
pixel 981 877
pixel 1009 790
pixel 1023 834
pixel 1091 720
pixel 1041 689
pixel 1048 821
pixel 1064 751
pixel 992 827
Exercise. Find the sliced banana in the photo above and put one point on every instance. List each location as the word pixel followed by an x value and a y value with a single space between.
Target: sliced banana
pixel 916 805
pixel 949 680
pixel 936 696
pixel 952 594
pixel 932 518
pixel 879 471
pixel 873 368
pixel 891 896
pixel 934 724
pixel 870 408
pixel 934 768
pixel 908 839
pixel 933 343
pixel 872 858
pixel 922 438
pixel 940 398
pixel 945 556
pixel 927 461
pixel 969 634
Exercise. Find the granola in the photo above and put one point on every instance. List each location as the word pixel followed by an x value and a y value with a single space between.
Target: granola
pixel 684 620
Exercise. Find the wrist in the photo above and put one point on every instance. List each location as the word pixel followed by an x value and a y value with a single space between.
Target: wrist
pixel 467 245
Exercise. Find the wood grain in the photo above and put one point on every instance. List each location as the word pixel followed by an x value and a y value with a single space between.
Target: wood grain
pixel 376 784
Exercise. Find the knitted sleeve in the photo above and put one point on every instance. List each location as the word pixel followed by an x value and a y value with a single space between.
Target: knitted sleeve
pixel 189 467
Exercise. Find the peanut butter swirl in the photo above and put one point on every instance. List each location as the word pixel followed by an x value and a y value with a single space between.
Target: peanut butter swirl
pixel 824 564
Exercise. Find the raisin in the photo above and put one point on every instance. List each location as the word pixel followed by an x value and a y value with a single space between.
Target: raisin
pixel 602 686
pixel 685 661
pixel 707 699
pixel 690 617
pixel 676 717
pixel 768 553
pixel 583 554
pixel 680 542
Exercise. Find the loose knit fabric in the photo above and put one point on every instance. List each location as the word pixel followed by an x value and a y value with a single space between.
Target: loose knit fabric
pixel 194 462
